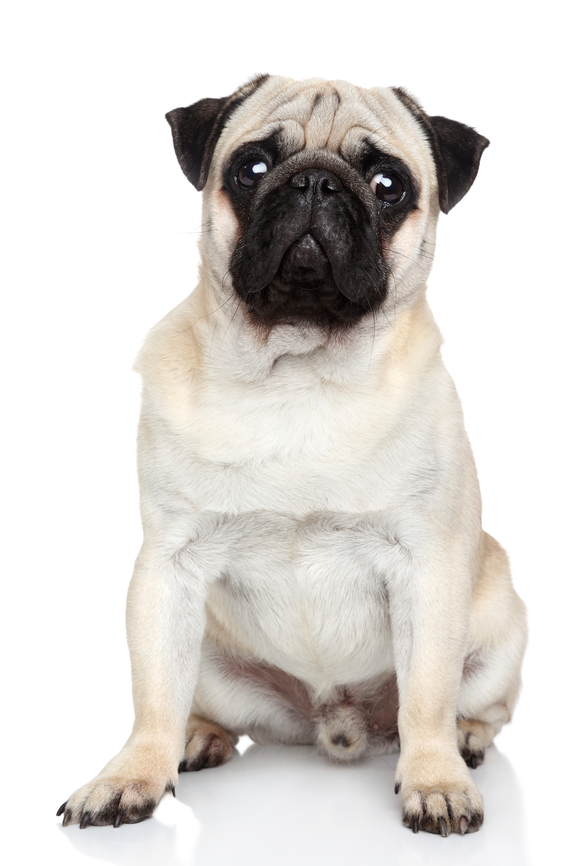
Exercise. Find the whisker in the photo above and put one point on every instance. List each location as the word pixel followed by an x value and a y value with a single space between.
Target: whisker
pixel 414 261
pixel 201 229
pixel 230 298
pixel 230 321
pixel 207 315
pixel 373 340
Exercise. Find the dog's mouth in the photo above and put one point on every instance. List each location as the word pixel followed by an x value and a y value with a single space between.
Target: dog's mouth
pixel 305 265
pixel 303 289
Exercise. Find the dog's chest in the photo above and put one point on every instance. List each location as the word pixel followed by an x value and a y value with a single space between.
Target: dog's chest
pixel 294 415
pixel 299 456
pixel 295 442
pixel 309 596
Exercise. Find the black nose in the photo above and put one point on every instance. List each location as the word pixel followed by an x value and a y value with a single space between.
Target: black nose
pixel 317 181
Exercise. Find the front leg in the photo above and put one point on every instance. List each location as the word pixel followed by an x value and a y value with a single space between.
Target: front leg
pixel 165 625
pixel 430 608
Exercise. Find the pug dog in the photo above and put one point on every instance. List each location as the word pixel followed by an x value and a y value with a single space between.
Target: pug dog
pixel 314 569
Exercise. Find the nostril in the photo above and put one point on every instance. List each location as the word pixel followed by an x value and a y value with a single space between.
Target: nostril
pixel 300 181
pixel 330 184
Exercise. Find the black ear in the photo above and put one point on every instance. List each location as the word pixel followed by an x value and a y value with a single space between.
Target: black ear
pixel 196 130
pixel 457 151
pixel 457 156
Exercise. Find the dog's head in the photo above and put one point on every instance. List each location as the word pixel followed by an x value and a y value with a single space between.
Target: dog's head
pixel 321 198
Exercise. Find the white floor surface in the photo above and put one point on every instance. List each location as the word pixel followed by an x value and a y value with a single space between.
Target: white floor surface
pixel 287 806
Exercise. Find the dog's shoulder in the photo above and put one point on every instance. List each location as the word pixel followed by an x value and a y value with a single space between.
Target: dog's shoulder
pixel 171 361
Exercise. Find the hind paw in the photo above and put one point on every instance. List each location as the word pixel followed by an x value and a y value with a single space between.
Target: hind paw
pixel 473 738
pixel 208 746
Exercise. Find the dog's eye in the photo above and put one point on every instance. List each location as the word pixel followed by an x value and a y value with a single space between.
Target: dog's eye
pixel 388 187
pixel 251 172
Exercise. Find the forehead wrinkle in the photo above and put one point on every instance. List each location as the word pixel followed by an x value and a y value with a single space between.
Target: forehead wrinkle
pixel 313 109
pixel 280 103
pixel 365 129
pixel 295 94
pixel 272 112
pixel 367 119
pixel 319 124
pixel 338 98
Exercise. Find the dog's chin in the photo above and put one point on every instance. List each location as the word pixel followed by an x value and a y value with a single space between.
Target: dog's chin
pixel 304 292
pixel 317 304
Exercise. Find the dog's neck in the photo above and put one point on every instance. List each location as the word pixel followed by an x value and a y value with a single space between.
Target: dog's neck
pixel 235 349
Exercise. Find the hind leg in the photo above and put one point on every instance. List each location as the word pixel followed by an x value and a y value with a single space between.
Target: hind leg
pixel 474 738
pixel 252 698
pixel 492 671
pixel 207 745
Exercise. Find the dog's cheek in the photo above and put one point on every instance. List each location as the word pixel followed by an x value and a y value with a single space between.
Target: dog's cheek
pixel 409 252
pixel 221 227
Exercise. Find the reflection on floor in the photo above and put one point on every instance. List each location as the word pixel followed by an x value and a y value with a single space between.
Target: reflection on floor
pixel 288 806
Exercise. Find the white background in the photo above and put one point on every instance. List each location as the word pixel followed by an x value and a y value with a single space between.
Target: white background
pixel 100 229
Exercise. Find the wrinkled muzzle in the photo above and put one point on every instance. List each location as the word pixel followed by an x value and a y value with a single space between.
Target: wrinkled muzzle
pixel 310 250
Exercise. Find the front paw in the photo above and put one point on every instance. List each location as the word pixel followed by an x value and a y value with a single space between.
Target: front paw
pixel 117 798
pixel 440 802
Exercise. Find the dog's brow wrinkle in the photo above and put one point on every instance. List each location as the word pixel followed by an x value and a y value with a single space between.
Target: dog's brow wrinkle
pixel 282 123
pixel 338 101
pixel 318 98
pixel 358 126
pixel 279 103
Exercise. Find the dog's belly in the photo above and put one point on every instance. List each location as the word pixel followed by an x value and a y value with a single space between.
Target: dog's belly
pixel 307 597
